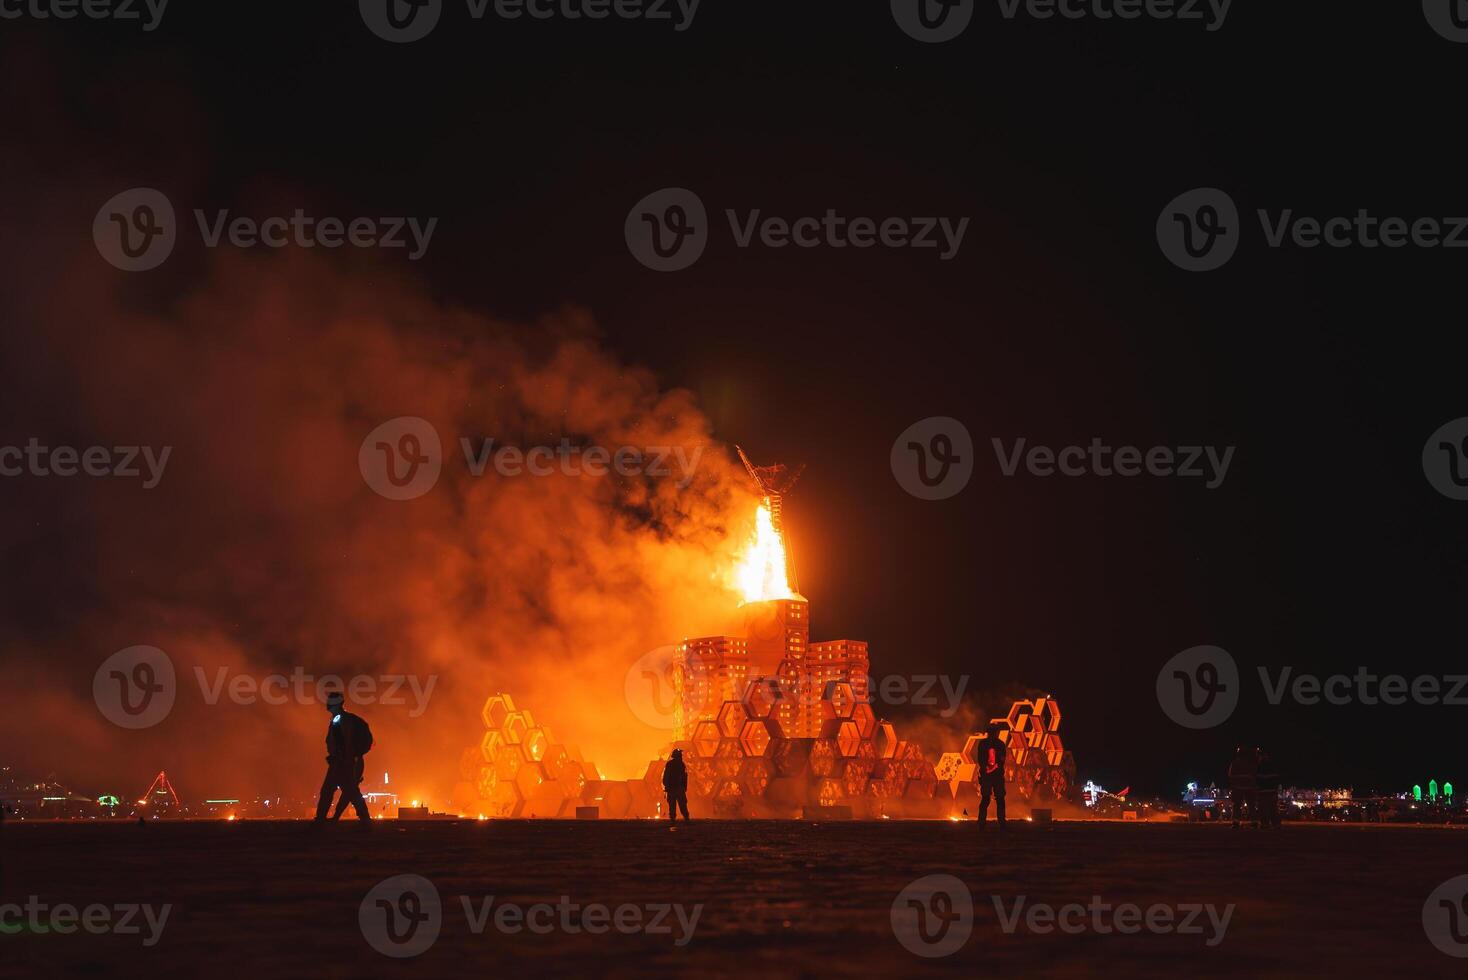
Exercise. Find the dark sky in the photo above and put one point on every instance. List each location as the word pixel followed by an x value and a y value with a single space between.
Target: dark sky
pixel 1059 320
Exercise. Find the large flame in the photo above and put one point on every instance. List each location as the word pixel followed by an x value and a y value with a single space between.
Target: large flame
pixel 762 573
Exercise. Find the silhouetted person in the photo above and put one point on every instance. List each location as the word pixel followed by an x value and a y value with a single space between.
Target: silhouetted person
pixel 675 785
pixel 990 755
pixel 1243 783
pixel 347 740
pixel 1266 781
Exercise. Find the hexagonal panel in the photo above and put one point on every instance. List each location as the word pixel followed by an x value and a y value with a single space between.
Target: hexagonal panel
pixel 854 779
pixel 702 785
pixel 506 801
pixel 574 776
pixel 495 710
pixel 612 797
pixel 841 697
pixel 886 739
pixel 534 744
pixel 755 774
pixel 754 737
pixel 644 802
pixel 545 800
pixel 792 756
pixel 1049 714
pixel 486 782
pixel 728 757
pixel 706 739
pixel 529 777
pixel 848 739
pixel 556 760
pixel 828 792
pixel 654 775
pixel 515 727
pixel 701 776
pixel 731 718
pixel 1020 714
pixel 823 756
pixel 490 745
pixel 507 764
pixel 865 718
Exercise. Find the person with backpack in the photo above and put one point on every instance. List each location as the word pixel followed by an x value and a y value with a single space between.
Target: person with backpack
pixel 990 757
pixel 348 739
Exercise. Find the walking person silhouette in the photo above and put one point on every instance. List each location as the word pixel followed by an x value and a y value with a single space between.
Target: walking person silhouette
pixel 348 739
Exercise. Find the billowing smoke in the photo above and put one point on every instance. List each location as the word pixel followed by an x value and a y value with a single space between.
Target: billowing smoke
pixel 263 550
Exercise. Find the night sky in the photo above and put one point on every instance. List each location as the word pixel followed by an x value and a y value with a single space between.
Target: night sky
pixel 1059 320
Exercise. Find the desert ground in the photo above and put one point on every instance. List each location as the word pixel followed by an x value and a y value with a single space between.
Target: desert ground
pixel 773 898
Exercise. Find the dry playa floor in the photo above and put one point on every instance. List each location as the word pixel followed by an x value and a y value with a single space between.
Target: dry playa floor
pixel 714 898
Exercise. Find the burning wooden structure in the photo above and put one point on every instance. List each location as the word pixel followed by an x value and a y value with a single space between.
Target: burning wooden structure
pixel 770 723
